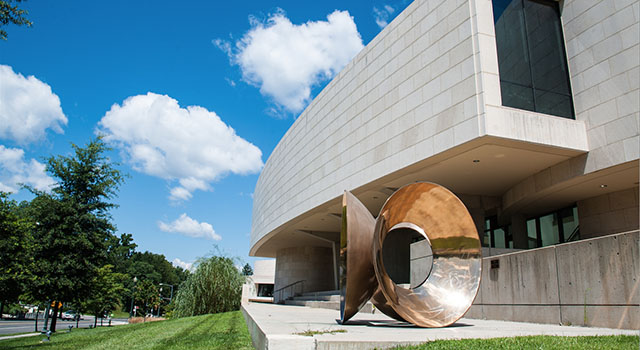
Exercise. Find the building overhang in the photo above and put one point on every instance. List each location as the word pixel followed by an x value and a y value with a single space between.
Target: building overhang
pixel 489 165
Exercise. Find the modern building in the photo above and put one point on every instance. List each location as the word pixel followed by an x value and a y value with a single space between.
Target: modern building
pixel 259 286
pixel 527 110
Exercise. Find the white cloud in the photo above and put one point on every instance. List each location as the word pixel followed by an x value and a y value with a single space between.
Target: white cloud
pixel 382 15
pixel 192 145
pixel 14 170
pixel 185 265
pixel 285 60
pixel 189 227
pixel 27 107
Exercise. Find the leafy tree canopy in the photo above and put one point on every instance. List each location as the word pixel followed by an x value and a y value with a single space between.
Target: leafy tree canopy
pixel 72 223
pixel 247 270
pixel 107 288
pixel 215 286
pixel 15 247
pixel 10 13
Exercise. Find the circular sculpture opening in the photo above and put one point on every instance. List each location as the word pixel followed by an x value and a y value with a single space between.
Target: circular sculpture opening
pixel 407 255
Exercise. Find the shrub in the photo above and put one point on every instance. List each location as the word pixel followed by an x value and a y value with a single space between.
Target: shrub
pixel 215 286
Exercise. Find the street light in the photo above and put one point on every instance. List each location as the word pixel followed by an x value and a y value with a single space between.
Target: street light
pixel 133 294
pixel 170 285
pixel 170 298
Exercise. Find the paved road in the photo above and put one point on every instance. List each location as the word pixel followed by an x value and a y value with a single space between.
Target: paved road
pixel 22 326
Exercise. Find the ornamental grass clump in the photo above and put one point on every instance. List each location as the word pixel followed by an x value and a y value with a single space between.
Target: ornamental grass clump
pixel 215 286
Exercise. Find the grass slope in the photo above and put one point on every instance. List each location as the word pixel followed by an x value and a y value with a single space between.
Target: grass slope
pixel 219 331
pixel 622 342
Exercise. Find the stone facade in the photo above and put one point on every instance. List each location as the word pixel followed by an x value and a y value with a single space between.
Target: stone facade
pixel 422 102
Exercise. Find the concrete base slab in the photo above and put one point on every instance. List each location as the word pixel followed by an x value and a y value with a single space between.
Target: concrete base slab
pixel 279 327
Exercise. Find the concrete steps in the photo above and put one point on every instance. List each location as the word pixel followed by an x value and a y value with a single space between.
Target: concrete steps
pixel 333 305
pixel 319 298
pixel 329 299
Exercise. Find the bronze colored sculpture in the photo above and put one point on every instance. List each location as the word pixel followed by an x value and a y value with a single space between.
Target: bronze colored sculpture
pixel 445 256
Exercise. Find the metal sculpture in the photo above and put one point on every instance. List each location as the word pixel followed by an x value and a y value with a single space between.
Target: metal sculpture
pixel 451 264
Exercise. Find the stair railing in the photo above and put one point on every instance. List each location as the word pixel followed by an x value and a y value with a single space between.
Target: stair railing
pixel 575 235
pixel 292 287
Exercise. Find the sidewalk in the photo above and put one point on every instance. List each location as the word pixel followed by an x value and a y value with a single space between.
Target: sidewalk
pixel 20 335
pixel 277 327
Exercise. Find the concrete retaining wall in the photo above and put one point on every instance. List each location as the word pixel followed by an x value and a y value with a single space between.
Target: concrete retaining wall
pixel 592 282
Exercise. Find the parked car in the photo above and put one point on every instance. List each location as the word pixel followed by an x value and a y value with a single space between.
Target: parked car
pixel 72 316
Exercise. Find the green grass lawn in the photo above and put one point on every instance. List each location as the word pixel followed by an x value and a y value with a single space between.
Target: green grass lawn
pixel 536 342
pixel 229 331
pixel 220 331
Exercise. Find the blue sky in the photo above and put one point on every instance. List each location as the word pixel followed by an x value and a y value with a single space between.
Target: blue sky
pixel 131 69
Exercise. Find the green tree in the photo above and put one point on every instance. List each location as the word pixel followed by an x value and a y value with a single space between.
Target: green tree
pixel 247 270
pixel 120 250
pixel 10 13
pixel 144 266
pixel 147 296
pixel 15 246
pixel 156 268
pixel 107 289
pixel 72 223
pixel 215 286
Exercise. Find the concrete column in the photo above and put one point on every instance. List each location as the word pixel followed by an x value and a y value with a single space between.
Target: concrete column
pixel 519 231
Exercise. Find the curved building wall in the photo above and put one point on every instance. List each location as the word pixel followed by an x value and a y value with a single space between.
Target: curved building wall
pixel 409 94
pixel 427 84
pixel 422 102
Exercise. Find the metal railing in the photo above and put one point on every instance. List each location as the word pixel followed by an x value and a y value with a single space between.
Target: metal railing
pixel 575 235
pixel 289 287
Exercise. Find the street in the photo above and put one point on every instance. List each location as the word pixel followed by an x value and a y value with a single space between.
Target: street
pixel 25 326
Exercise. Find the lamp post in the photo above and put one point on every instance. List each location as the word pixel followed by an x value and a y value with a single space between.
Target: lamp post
pixel 133 294
pixel 170 298
pixel 170 285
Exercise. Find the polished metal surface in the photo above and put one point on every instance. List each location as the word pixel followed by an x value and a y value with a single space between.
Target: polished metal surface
pixel 357 277
pixel 454 277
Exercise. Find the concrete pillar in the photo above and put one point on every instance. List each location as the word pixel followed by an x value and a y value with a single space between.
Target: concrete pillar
pixel 519 231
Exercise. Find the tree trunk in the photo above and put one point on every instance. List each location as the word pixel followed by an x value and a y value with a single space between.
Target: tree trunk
pixel 1 309
pixel 55 317
pixel 95 321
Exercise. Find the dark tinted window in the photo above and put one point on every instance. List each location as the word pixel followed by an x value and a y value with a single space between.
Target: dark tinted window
pixel 531 57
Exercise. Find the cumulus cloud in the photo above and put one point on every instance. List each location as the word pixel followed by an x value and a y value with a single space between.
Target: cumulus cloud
pixel 286 60
pixel 191 146
pixel 187 226
pixel 28 107
pixel 185 265
pixel 14 170
pixel 382 15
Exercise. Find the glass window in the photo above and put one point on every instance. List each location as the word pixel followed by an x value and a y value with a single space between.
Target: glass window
pixel 486 240
pixel 553 228
pixel 549 230
pixel 531 56
pixel 500 239
pixel 570 225
pixel 496 236
pixel 532 234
